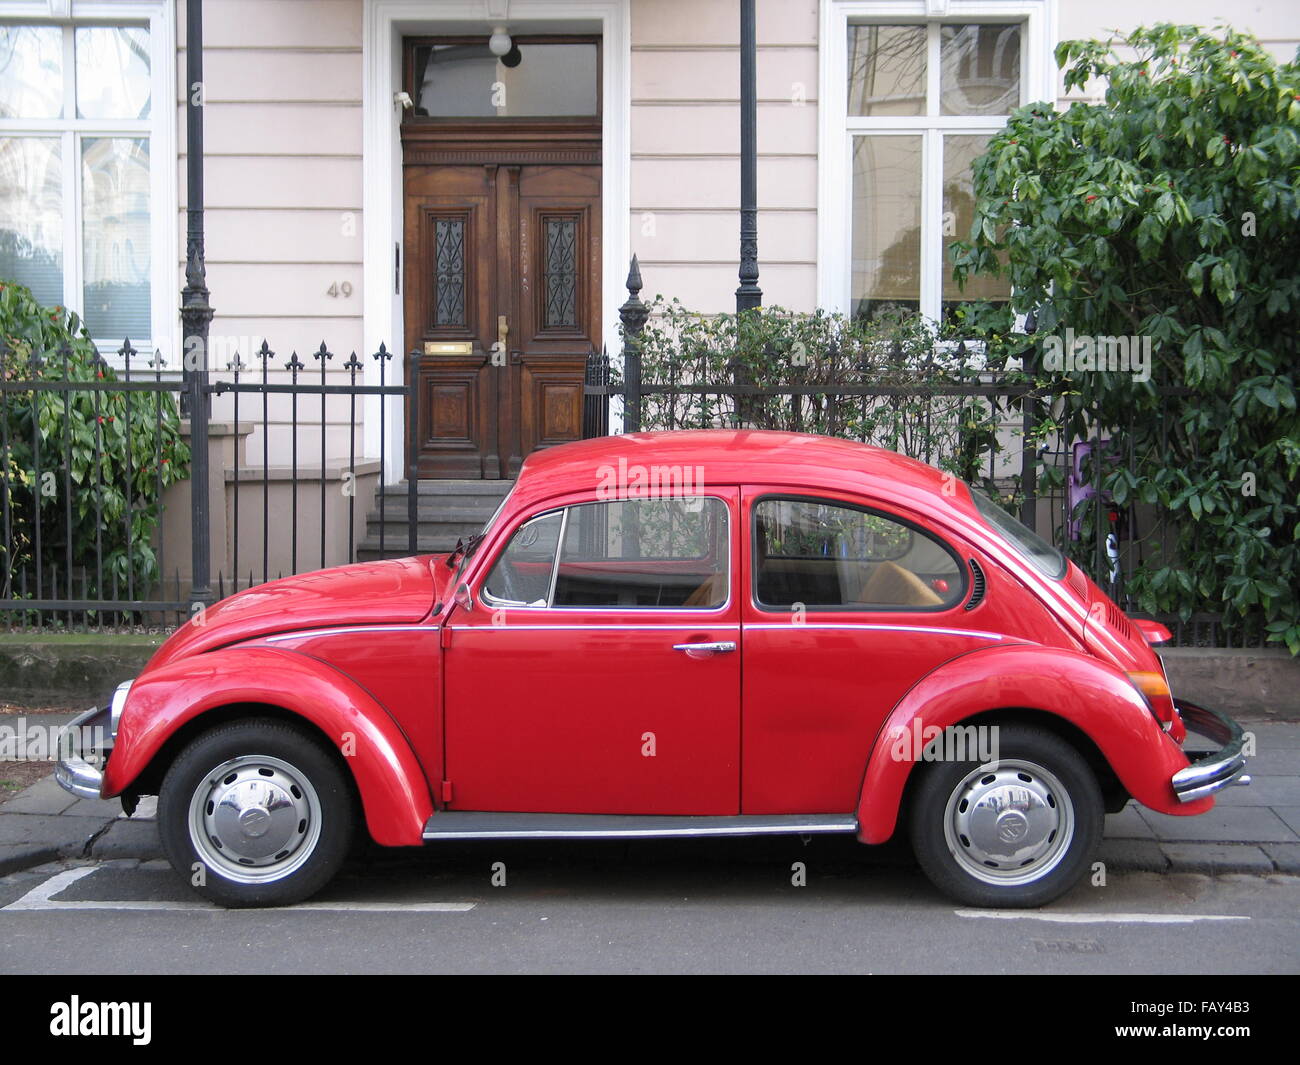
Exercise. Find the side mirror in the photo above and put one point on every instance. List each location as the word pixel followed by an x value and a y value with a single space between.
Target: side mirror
pixel 463 599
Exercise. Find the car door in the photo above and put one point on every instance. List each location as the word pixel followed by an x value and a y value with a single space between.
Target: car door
pixel 848 604
pixel 598 670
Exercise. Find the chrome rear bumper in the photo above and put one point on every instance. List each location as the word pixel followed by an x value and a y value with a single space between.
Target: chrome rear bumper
pixel 1220 769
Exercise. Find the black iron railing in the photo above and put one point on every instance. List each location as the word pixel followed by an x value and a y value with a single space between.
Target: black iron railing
pixel 88 455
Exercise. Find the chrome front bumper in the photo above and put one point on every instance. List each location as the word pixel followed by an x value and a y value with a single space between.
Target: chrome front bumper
pixel 1219 769
pixel 74 771
pixel 84 746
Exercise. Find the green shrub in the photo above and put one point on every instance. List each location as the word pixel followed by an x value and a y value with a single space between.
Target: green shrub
pixel 1170 211
pixel 908 360
pixel 93 429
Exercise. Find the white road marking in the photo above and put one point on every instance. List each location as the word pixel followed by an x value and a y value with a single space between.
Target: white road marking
pixel 41 897
pixel 1101 918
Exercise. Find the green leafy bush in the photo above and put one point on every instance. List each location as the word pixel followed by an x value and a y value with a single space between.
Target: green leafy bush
pixel 93 429
pixel 1170 212
pixel 905 358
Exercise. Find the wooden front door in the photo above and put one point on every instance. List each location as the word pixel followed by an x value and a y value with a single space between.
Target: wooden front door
pixel 502 301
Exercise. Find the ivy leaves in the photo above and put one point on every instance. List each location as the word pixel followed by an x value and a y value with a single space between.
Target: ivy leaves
pixel 1171 210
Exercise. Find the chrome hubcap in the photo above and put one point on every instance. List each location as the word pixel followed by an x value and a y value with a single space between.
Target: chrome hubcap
pixel 255 819
pixel 1009 824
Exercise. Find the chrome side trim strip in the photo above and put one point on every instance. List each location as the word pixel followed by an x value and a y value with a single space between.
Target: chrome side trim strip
pixel 348 629
pixel 593 628
pixel 457 824
pixel 807 626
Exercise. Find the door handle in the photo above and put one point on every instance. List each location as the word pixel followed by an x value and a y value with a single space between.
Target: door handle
pixel 705 648
pixel 503 331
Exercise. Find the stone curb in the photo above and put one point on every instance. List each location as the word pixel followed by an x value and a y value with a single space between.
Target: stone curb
pixel 15 857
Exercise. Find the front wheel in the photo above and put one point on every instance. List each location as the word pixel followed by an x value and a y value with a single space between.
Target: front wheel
pixel 256 813
pixel 1017 832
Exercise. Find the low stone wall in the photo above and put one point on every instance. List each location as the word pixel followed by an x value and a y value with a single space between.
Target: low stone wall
pixel 69 670
pixel 1254 684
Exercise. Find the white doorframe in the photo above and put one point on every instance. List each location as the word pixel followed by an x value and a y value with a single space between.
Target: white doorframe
pixel 386 22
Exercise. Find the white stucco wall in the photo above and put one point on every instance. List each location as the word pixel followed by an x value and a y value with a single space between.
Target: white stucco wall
pixel 685 164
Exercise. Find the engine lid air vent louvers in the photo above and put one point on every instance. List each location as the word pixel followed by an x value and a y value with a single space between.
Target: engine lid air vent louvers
pixel 1117 621
pixel 978 586
pixel 1078 582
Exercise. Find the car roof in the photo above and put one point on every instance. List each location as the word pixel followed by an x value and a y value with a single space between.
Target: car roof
pixel 736 456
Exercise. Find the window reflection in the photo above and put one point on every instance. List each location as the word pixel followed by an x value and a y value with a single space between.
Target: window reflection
pixel 467 81
pixel 113 72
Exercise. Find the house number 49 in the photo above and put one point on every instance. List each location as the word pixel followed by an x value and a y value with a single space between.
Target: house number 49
pixel 336 290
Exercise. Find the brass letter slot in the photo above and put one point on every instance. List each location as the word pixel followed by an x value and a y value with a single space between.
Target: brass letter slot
pixel 449 347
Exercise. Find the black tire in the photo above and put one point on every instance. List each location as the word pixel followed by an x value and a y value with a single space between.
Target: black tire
pixel 266 786
pixel 964 820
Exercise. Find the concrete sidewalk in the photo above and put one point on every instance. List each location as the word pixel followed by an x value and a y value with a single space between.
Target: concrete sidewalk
pixel 1254 829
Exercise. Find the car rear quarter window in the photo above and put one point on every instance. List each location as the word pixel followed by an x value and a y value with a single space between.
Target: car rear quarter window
pixel 1044 557
pixel 819 554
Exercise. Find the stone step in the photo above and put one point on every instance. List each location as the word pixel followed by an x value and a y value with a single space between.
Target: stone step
pixel 429 510
pixel 446 511
pixel 452 487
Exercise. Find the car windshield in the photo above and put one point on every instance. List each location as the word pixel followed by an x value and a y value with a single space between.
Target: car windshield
pixel 1046 558
pixel 467 549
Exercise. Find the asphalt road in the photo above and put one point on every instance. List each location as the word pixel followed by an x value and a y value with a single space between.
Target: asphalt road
pixel 642 907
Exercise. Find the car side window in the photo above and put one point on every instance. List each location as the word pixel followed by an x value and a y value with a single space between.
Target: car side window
pixel 648 553
pixel 522 573
pixel 822 554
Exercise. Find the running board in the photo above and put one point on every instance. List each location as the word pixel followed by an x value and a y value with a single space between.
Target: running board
pixel 468 824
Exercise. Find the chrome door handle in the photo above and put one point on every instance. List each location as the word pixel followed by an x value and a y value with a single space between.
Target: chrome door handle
pixel 708 648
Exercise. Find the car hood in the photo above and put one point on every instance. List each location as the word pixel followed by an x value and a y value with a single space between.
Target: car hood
pixel 397 591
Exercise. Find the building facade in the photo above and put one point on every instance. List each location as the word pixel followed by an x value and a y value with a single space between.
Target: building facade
pixel 384 171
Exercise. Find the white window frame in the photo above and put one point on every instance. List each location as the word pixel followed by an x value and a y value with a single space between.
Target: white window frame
pixel 160 127
pixel 1037 19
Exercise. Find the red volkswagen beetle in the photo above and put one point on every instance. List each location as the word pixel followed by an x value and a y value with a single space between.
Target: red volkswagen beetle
pixel 713 633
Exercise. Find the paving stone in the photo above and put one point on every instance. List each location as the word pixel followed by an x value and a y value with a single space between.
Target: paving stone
pixel 1286 856
pixel 1216 858
pixel 1133 855
pixel 1290 815
pixel 1263 791
pixel 1127 824
pixel 1223 824
pixel 1272 735
pixel 96 808
pixel 43 797
pixel 1275 762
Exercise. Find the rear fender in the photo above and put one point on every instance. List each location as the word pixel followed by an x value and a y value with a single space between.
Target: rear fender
pixel 1094 697
pixel 393 789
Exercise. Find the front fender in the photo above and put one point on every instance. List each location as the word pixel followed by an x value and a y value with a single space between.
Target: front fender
pixel 1093 696
pixel 393 789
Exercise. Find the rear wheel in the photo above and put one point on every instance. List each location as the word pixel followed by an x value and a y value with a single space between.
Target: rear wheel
pixel 256 813
pixel 1018 832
